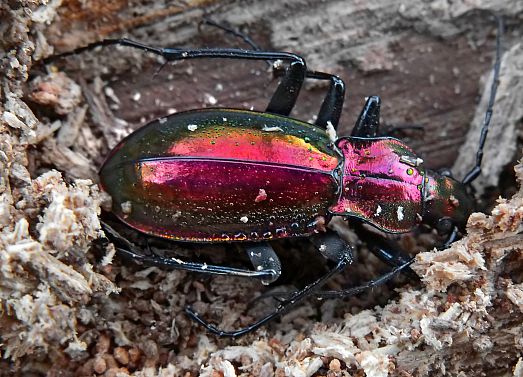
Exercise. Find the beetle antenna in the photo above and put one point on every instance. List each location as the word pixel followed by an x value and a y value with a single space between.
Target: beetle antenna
pixel 476 170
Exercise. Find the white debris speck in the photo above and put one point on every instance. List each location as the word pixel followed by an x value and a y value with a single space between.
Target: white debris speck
pixel 224 119
pixel 378 211
pixel 204 267
pixel 171 110
pixel 109 92
pixel 162 120
pixel 218 87
pixel 127 207
pixel 179 261
pixel 400 213
pixel 271 129
pixel 192 127
pixel 411 160
pixel 323 247
pixel 136 96
pixel 210 99
pixel 331 132
pixel 244 219
pixel 262 195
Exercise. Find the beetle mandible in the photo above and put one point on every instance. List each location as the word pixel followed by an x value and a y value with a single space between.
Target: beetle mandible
pixel 230 175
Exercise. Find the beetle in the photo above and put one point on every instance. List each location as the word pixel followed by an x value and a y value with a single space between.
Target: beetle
pixel 230 175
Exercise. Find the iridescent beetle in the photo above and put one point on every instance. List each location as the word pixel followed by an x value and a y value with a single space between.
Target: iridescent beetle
pixel 228 175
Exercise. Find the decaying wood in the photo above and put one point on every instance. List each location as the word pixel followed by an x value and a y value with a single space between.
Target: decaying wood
pixel 69 306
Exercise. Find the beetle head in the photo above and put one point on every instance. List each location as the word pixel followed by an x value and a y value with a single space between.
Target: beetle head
pixel 447 203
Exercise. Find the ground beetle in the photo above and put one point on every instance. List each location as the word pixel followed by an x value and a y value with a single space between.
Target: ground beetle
pixel 228 175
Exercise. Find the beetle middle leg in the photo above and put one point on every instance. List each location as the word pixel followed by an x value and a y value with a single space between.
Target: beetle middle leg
pixel 328 245
pixel 332 247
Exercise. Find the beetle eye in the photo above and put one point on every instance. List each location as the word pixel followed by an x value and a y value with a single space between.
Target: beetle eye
pixel 444 226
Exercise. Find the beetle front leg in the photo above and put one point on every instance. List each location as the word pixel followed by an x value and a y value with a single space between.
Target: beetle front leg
pixel 385 250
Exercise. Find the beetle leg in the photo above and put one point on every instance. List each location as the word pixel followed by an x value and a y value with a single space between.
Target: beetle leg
pixel 130 251
pixel 263 258
pixel 385 250
pixel 368 122
pixel 368 285
pixel 453 236
pixel 343 258
pixel 476 170
pixel 331 246
pixel 332 104
pixel 330 111
pixel 286 93
pixel 288 89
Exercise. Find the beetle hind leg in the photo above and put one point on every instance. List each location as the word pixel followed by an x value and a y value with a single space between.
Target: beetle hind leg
pixel 132 252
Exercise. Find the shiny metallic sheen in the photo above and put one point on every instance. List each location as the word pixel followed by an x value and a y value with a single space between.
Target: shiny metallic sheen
pixel 203 183
pixel 378 186
pixel 234 175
